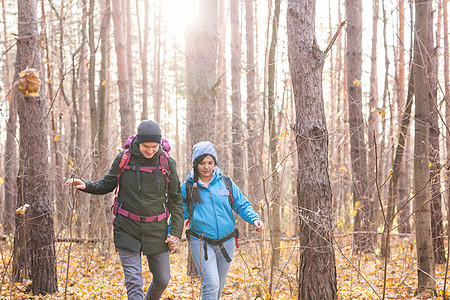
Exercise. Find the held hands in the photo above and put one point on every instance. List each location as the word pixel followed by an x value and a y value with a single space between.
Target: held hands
pixel 78 183
pixel 172 241
pixel 259 226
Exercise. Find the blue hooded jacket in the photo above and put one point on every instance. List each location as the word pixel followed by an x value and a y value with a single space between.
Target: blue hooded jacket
pixel 213 217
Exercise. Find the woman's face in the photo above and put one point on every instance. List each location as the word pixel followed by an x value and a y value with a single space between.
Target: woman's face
pixel 148 149
pixel 206 167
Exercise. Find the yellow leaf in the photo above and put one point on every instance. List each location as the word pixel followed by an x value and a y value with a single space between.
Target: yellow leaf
pixel 74 214
pixel 70 162
pixel 21 210
pixel 373 109
pixel 356 82
pixel 104 83
pixel 283 135
pixel 382 112
pixel 357 205
pixel 56 138
pixel 347 195
pixel 1 180
pixel 44 60
pixel 29 82
pixel 429 163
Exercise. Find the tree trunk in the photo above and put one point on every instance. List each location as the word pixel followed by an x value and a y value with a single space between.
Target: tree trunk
pixel 447 103
pixel 144 63
pixel 129 50
pixel 273 141
pixel 37 222
pixel 317 268
pixel 82 139
pixel 236 126
pixel 253 115
pixel 10 166
pixel 78 123
pixel 396 168
pixel 424 243
pixel 373 135
pixel 95 202
pixel 403 183
pixel 10 163
pixel 126 111
pixel 386 142
pixel 221 138
pixel 339 186
pixel 157 83
pixel 434 152
pixel 201 51
pixel 357 140
pixel 105 222
pixel 62 212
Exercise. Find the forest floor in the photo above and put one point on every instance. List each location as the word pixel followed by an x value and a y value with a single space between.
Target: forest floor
pixel 94 275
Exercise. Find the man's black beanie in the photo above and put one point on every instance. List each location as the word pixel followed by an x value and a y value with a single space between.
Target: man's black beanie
pixel 148 131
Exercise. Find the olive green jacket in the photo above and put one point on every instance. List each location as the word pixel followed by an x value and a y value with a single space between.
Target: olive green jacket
pixel 147 200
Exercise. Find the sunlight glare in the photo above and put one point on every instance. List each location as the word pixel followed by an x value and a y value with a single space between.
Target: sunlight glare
pixel 179 12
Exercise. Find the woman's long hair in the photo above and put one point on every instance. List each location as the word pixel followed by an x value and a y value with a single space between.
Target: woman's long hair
pixel 195 198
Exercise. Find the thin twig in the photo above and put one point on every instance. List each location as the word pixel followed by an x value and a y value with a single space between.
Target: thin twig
pixel 334 38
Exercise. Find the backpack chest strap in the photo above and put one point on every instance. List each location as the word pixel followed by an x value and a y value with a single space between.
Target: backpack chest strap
pixel 144 169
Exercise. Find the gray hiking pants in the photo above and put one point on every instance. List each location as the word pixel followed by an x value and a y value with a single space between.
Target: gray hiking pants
pixel 159 266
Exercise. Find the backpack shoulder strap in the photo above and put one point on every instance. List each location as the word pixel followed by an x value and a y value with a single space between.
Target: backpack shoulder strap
pixel 189 186
pixel 227 182
pixel 122 165
pixel 188 199
pixel 163 161
pixel 123 162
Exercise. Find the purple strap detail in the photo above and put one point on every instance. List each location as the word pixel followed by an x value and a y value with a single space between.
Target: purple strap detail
pixel 158 218
pixel 144 169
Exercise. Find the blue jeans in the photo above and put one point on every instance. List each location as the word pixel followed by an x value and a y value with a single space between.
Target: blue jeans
pixel 213 272
pixel 159 265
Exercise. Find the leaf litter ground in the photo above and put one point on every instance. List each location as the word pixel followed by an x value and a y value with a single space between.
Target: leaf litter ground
pixel 95 275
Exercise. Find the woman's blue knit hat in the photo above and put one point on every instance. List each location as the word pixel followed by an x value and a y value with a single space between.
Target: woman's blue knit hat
pixel 203 147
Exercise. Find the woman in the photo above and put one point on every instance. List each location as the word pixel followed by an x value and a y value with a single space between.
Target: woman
pixel 141 221
pixel 209 199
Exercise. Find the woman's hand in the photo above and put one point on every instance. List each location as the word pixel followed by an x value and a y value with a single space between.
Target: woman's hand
pixel 259 226
pixel 78 183
pixel 172 241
